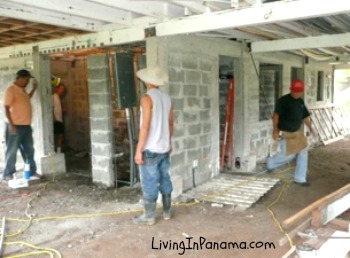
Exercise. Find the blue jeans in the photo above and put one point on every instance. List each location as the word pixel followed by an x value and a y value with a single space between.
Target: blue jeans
pixel 23 140
pixel 281 159
pixel 154 174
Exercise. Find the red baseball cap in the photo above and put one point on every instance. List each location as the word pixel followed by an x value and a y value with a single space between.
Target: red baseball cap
pixel 297 86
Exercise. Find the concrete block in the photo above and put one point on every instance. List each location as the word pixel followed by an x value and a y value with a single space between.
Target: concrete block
pixel 103 163
pixel 178 132
pixel 97 61
pixel 206 65
pixel 177 185
pixel 204 115
pixel 190 143
pixel 201 175
pixel 194 129
pixel 101 86
pixel 206 103
pixel 203 91
pixel 99 74
pixel 103 124
pixel 189 117
pixel 176 75
pixel 206 78
pixel 193 103
pixel 177 159
pixel 101 149
pixel 192 76
pixel 101 137
pixel 55 163
pixel 193 155
pixel 175 89
pixel 190 63
pixel 174 60
pixel 190 90
pixel 178 104
pixel 206 127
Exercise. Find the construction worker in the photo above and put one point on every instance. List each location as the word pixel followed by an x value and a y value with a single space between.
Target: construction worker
pixel 58 126
pixel 18 132
pixel 289 115
pixel 154 145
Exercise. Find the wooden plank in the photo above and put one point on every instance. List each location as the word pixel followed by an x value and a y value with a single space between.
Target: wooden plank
pixel 320 203
pixel 328 118
pixel 320 122
pixel 304 225
pixel 333 140
pixel 340 224
pixel 321 106
pixel 336 122
pixel 316 218
pixel 326 123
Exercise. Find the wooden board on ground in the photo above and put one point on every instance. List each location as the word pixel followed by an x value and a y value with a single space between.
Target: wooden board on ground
pixel 322 204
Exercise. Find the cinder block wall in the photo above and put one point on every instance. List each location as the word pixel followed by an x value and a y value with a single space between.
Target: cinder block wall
pixel 191 76
pixel 101 120
pixel 193 67
pixel 260 132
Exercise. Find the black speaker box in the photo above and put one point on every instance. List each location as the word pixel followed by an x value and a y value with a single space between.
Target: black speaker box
pixel 125 80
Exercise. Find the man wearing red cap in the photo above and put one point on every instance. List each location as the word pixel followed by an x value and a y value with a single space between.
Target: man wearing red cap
pixel 289 115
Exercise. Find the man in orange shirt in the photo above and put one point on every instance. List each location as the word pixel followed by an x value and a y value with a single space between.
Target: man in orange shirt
pixel 18 132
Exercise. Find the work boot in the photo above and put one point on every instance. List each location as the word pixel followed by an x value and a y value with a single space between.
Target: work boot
pixel 148 216
pixel 166 198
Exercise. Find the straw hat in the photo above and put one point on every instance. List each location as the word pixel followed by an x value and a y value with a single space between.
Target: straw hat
pixel 153 75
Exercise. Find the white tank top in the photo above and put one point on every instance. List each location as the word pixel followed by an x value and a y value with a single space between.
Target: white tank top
pixel 158 139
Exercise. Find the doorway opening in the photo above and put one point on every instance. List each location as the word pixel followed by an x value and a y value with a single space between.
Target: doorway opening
pixel 72 69
pixel 226 111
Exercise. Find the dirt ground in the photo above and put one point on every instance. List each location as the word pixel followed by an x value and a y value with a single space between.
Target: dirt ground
pixel 78 219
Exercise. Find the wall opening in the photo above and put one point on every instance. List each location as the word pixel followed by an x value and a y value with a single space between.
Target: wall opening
pixel 78 102
pixel 72 70
pixel 270 89
pixel 320 86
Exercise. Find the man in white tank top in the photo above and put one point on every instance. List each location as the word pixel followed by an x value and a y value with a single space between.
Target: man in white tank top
pixel 154 145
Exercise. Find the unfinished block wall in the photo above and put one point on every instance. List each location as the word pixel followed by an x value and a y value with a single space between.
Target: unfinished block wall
pixel 260 131
pixel 191 76
pixel 193 67
pixel 101 120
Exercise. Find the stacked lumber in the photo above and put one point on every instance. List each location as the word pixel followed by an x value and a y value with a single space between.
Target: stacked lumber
pixel 327 235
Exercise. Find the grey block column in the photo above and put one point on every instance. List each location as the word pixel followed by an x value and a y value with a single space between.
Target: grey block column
pixel 48 162
pixel 102 144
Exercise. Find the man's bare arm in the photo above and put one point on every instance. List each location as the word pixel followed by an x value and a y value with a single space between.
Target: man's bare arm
pixel 146 106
